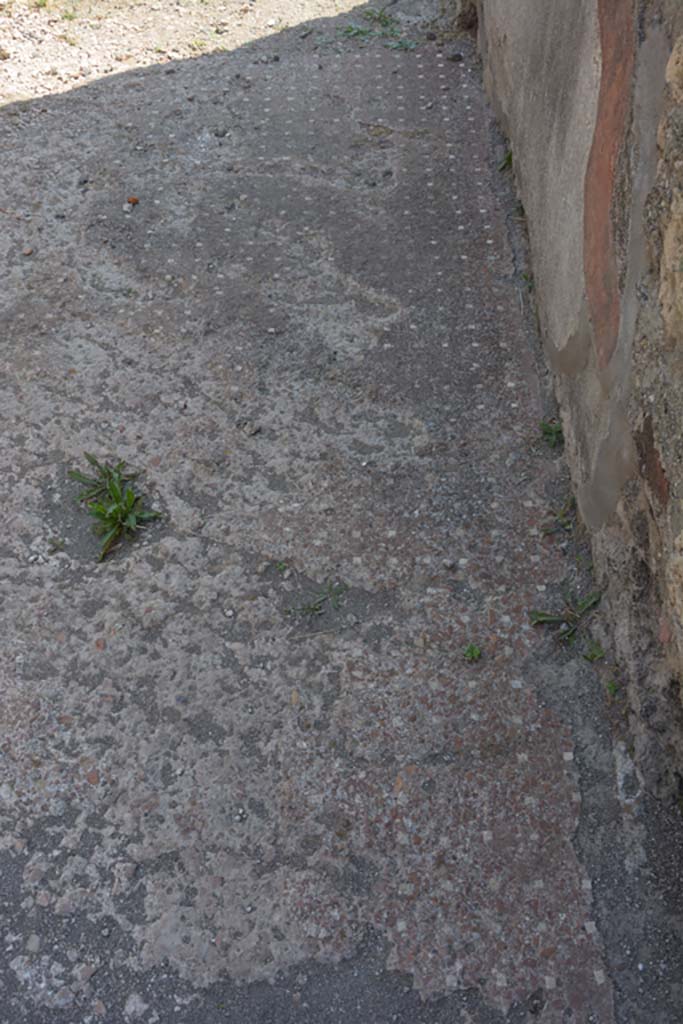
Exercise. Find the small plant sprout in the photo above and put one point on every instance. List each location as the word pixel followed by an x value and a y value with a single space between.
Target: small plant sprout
pixel 111 500
pixel 472 653
pixel 551 431
pixel 384 27
pixel 570 618
pixel 380 18
pixel 612 687
pixel 356 32
pixel 594 651
pixel 329 597
pixel 562 520
pixel 334 593
pixel 401 44
pixel 506 163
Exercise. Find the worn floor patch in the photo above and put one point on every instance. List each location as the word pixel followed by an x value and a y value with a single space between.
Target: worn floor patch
pixel 248 748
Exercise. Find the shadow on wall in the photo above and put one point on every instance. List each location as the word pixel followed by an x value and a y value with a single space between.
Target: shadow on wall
pixel 467 16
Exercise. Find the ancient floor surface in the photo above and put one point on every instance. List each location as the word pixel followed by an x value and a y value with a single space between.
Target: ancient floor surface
pixel 246 772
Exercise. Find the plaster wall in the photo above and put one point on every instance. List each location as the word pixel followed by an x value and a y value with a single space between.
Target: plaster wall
pixel 590 95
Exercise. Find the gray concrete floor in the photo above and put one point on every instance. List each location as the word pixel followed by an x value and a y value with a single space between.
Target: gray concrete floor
pixel 246 772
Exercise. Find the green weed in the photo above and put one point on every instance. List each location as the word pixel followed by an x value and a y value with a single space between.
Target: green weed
pixel 612 688
pixel 96 486
pixel 385 27
pixel 570 618
pixel 552 434
pixel 562 519
pixel 472 653
pixel 594 651
pixel 380 18
pixel 357 32
pixel 506 163
pixel 110 499
pixel 330 596
pixel 334 593
pixel 401 44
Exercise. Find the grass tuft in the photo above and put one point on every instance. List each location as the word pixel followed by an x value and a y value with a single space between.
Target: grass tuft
pixel 552 434
pixel 594 651
pixel 110 498
pixel 329 597
pixel 570 618
pixel 384 27
pixel 380 18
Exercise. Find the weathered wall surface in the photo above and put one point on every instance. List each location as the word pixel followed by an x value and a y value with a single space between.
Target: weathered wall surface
pixel 590 93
